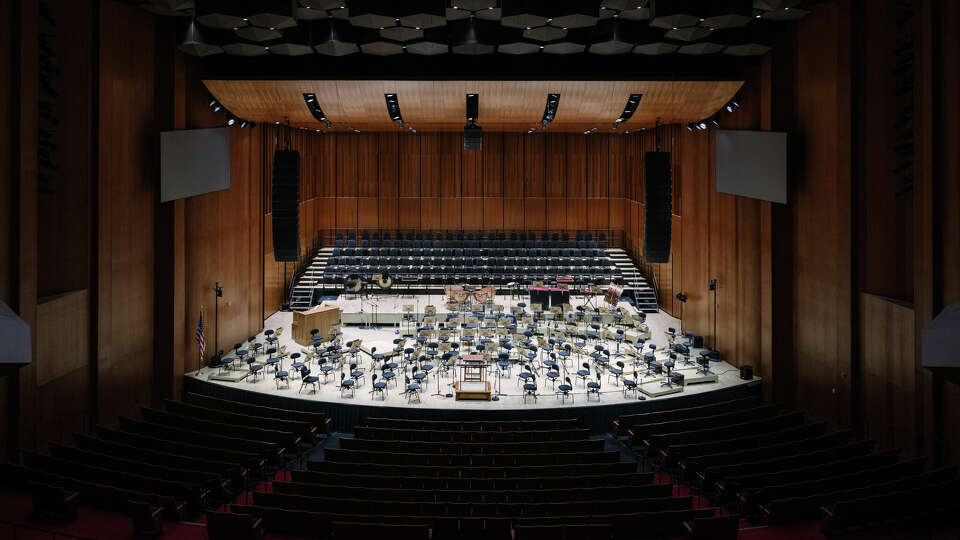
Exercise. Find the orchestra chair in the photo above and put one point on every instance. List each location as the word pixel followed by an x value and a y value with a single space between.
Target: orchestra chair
pixel 378 388
pixel 255 369
pixel 413 391
pixel 552 375
pixel 584 374
pixel 565 390
pixel 306 378
pixel 530 389
pixel 356 374
pixel 388 375
pixel 146 518
pixel 296 365
pixel 593 388
pixel 630 385
pixel 281 376
pixel 525 376
pixel 346 384
pixel 272 361
pixel 616 373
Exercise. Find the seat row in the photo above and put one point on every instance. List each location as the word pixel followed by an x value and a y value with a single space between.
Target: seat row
pixel 468 448
pixel 495 251
pixel 469 482
pixel 777 469
pixel 512 238
pixel 475 425
pixel 402 434
pixel 341 455
pixel 340 505
pixel 532 470
pixel 602 493
pixel 323 524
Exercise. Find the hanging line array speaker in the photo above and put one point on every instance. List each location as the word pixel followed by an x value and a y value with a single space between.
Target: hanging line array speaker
pixel 286 205
pixel 659 207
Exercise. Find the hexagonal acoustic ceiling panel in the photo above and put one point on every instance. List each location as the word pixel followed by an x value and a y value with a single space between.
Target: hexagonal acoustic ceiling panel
pixel 384 27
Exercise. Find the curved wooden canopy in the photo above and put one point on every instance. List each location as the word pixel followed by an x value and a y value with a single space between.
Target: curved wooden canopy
pixel 511 106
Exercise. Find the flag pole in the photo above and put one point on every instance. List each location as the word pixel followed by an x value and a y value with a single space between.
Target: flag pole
pixel 199 348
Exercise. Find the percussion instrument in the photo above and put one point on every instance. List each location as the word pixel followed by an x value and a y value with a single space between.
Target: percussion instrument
pixel 384 281
pixel 485 294
pixel 613 294
pixel 353 284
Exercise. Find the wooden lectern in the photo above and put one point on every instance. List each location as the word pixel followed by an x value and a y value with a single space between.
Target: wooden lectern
pixel 320 317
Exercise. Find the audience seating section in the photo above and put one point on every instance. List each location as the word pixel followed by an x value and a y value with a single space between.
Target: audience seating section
pixel 776 468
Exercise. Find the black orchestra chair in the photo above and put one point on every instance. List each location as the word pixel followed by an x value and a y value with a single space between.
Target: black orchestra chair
pixel 346 384
pixel 593 388
pixel 279 376
pixel 412 391
pixel 630 385
pixel 565 390
pixel 356 374
pixel 306 378
pixel 378 388
pixel 530 389
pixel 325 368
pixel 297 364
pixel 552 375
pixel 616 372
pixel 584 374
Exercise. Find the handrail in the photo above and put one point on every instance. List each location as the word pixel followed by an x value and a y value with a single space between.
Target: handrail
pixel 16 526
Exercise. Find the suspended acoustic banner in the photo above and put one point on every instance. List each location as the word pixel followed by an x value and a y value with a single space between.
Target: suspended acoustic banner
pixel 659 207
pixel 286 205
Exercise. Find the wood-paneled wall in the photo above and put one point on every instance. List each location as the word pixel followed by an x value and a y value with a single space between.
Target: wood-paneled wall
pixel 128 176
pixel 427 181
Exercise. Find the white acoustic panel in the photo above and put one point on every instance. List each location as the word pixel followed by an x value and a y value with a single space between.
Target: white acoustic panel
pixel 752 164
pixel 194 162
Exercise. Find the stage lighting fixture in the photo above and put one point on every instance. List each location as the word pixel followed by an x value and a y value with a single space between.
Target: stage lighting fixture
pixel 550 110
pixel 314 106
pixel 715 120
pixel 243 123
pixel 231 120
pixel 690 127
pixel 393 108
pixel 702 125
pixel 628 109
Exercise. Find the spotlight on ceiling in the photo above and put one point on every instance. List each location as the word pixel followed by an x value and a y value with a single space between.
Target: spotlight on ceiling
pixel 243 123
pixel 215 105
pixel 550 110
pixel 733 104
pixel 701 125
pixel 690 126
pixel 231 120
pixel 314 106
pixel 393 108
pixel 473 133
pixel 628 109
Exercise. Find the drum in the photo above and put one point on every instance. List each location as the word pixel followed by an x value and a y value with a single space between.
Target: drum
pixel 613 295
pixel 384 281
pixel 353 284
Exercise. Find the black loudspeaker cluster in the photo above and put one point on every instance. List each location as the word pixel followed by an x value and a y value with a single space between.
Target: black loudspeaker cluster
pixel 286 205
pixel 659 208
pixel 746 372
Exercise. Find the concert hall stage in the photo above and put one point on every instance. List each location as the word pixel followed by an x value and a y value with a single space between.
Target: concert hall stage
pixel 347 411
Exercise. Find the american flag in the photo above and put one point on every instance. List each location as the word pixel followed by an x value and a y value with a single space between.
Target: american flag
pixel 200 340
